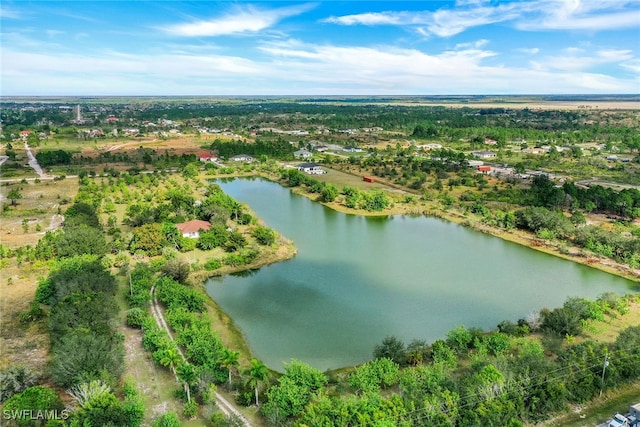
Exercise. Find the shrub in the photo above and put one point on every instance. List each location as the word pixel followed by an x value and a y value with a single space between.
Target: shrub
pixel 176 269
pixel 186 244
pixel 170 419
pixel 31 401
pixel 136 317
pixel 15 379
pixel 212 264
pixel 190 409
pixel 264 235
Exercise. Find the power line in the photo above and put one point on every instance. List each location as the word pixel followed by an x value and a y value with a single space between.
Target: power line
pixel 468 398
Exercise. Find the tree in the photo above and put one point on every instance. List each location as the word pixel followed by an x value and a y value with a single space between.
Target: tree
pixel 31 401
pixel 81 240
pixel 215 237
pixel 235 242
pixel 329 193
pixel 170 357
pixel 148 238
pixel 391 348
pixel 459 339
pixel 177 269
pixel 258 373
pixel 15 379
pixel 85 392
pixel 14 195
pixel 230 360
pixel 170 419
pixel 92 357
pixel 264 235
pixel 187 373
pixel 81 213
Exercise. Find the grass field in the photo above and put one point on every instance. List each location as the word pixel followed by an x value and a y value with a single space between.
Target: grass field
pixel 39 206
pixel 599 410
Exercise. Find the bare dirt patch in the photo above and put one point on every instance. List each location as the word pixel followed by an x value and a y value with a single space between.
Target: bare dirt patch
pixel 21 343
pixel 39 206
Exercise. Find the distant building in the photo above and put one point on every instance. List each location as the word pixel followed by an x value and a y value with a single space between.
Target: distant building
pixel 302 154
pixel 352 149
pixel 207 157
pixel 192 229
pixel 242 158
pixel 25 134
pixel 484 154
pixel 310 168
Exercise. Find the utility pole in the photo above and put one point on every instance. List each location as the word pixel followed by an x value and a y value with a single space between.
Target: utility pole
pixel 131 289
pixel 604 368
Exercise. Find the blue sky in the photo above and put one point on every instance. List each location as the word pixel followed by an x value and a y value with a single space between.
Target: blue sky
pixel 319 48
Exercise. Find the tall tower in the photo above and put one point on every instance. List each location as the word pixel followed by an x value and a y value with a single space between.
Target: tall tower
pixel 78 113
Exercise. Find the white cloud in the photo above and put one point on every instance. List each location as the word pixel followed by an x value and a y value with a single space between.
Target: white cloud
pixel 576 59
pixel 53 33
pixel 533 15
pixel 529 51
pixel 581 15
pixel 473 45
pixel 372 18
pixel 8 13
pixel 295 67
pixel 243 19
pixel 633 65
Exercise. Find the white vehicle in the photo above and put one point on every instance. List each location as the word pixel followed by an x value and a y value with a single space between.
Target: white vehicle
pixel 618 421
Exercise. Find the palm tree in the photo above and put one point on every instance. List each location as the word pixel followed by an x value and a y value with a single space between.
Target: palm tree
pixel 170 358
pixel 258 373
pixel 188 374
pixel 229 361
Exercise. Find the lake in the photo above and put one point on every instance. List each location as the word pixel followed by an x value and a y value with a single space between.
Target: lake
pixel 358 279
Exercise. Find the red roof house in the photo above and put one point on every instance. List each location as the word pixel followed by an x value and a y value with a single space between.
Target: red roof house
pixel 207 157
pixel 192 228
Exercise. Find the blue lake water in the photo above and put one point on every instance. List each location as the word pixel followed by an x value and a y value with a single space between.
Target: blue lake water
pixel 358 279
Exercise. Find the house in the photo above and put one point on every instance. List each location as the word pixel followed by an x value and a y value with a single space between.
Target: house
pixel 484 154
pixel 242 158
pixel 430 146
pixel 25 134
pixel 368 179
pixel 112 119
pixel 192 228
pixel 474 163
pixel 483 169
pixel 207 157
pixel 489 141
pixel 302 154
pixel 534 151
pixel 310 168
pixel 352 149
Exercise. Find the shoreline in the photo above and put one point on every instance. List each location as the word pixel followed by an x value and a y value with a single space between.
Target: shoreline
pixel 286 250
pixel 520 237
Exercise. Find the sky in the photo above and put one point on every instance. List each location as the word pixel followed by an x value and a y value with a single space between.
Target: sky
pixel 226 48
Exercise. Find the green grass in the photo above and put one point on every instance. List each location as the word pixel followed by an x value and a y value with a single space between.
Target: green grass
pixel 601 409
pixel 342 179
